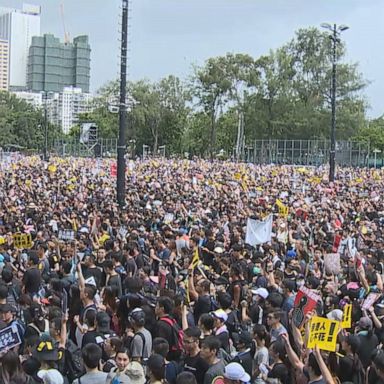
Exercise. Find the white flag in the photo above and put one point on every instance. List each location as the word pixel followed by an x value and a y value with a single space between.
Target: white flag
pixel 259 232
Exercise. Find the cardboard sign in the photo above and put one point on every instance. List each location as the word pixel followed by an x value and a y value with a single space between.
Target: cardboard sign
pixel 22 240
pixel 347 317
pixel 332 263
pixel 9 337
pixel 305 302
pixel 370 300
pixel 323 333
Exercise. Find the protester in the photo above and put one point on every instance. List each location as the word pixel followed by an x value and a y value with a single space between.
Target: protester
pixel 239 250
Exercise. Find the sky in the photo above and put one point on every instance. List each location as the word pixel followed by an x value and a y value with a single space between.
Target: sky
pixel 169 36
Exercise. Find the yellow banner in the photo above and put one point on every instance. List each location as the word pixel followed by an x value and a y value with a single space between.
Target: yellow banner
pixel 22 240
pixel 347 317
pixel 323 333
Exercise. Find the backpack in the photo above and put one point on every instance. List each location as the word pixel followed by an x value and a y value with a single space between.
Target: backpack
pixel 13 297
pixel 73 363
pixel 143 349
pixel 177 334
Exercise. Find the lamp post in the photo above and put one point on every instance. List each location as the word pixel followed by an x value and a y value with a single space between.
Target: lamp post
pixel 121 145
pixel 334 36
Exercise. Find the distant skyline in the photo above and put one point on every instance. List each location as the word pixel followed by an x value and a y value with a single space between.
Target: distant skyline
pixel 168 36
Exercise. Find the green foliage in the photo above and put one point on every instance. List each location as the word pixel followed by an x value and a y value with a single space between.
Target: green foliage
pixel 22 125
pixel 284 94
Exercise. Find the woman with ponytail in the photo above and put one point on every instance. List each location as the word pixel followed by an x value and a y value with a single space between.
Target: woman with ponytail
pixel 350 366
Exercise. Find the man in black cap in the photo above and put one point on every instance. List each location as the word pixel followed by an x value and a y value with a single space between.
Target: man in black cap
pixel 243 342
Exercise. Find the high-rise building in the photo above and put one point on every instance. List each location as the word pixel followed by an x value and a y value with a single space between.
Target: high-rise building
pixel 63 108
pixel 17 27
pixel 53 65
pixel 4 64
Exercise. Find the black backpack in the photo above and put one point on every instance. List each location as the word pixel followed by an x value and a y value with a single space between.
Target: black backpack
pixel 73 363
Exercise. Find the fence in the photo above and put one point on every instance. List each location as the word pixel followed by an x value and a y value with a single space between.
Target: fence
pixel 306 152
pixel 73 147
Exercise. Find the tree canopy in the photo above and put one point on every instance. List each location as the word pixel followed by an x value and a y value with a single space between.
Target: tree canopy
pixel 230 99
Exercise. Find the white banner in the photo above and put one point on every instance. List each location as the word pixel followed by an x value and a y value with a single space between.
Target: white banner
pixel 259 232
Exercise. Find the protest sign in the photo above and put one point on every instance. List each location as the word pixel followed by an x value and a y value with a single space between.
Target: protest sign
pixel 9 337
pixel 22 240
pixel 283 209
pixel 370 300
pixel 332 263
pixel 347 317
pixel 305 302
pixel 66 234
pixel 259 232
pixel 323 333
pixel 113 170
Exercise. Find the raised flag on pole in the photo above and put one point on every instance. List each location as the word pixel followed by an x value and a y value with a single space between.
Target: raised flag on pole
pixel 259 232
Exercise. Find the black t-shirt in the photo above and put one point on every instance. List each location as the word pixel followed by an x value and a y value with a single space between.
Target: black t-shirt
pixel 32 280
pixel 367 346
pixel 203 305
pixel 197 366
pixel 94 272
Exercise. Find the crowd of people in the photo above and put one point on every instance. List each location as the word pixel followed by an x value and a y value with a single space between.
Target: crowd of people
pixel 167 290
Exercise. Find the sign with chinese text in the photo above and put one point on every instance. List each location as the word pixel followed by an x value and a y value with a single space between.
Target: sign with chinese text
pixel 323 333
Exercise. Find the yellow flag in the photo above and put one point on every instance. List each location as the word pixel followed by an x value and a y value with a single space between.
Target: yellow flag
pixel 323 333
pixel 195 259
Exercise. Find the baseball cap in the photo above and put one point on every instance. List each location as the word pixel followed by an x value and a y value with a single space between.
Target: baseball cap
pixel 220 314
pixel 234 371
pixel 245 337
pixel 46 351
pixel 138 316
pixel 219 250
pixel 262 292
pixel 103 321
pixel 365 323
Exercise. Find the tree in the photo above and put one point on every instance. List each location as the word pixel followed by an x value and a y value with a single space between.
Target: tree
pixel 22 124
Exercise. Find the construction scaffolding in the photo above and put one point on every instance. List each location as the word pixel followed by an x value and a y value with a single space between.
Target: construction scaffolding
pixel 74 148
pixel 307 152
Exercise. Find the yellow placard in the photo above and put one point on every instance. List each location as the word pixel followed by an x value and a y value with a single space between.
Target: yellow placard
pixel 347 317
pixel 52 168
pixel 22 240
pixel 283 209
pixel 323 333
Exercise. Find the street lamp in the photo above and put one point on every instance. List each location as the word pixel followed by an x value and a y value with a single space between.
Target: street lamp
pixel 334 36
pixel 121 145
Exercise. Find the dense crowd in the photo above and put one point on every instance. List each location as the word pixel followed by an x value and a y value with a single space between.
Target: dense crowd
pixel 167 290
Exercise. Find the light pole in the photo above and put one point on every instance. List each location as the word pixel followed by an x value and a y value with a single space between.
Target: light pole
pixel 334 36
pixel 121 145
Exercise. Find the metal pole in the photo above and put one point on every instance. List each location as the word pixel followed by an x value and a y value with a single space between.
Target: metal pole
pixel 122 108
pixel 45 131
pixel 333 103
